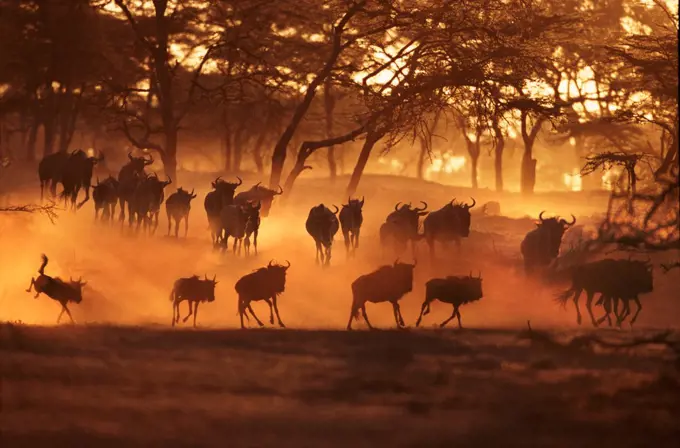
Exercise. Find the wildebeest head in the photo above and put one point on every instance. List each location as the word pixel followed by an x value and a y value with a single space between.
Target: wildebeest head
pixel 640 274
pixel 184 196
pixel 474 287
pixel 226 189
pixel 252 211
pixel 406 216
pixel 460 214
pixel 553 229
pixel 263 194
pixel 355 205
pixel 77 286
pixel 209 285
pixel 138 163
pixel 404 274
pixel 277 276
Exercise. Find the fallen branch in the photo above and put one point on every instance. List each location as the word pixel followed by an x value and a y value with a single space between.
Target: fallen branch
pixel 668 267
pixel 48 210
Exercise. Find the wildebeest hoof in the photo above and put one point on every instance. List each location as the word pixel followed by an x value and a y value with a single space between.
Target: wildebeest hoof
pixel 281 325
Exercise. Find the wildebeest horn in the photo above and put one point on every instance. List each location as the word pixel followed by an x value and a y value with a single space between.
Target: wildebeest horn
pixel 452 201
pixel 270 263
pixel 288 264
pixel 169 181
pixel 480 275
pixel 280 191
pixel 239 181
pixel 130 155
pixel 396 207
pixel 336 209
pixel 362 200
pixel 257 184
pixel 418 209
pixel 148 161
pixel 192 193
pixel 473 203
pixel 573 221
pixel 540 216
pixel 396 261
pixel 214 278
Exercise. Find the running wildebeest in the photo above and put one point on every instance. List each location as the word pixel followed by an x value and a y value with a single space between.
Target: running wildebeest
pixel 157 187
pixel 456 290
pixel 252 225
pixel 130 175
pixel 258 193
pixel 322 225
pixel 541 246
pixel 77 174
pixel 105 196
pixel 401 226
pixel 449 223
pixel 50 170
pixel 57 289
pixel 351 218
pixel 262 284
pixel 177 207
pixel 233 220
pixel 386 284
pixel 614 280
pixel 221 196
pixel 194 290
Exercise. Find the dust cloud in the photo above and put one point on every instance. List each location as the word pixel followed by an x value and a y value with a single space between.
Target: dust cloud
pixel 130 276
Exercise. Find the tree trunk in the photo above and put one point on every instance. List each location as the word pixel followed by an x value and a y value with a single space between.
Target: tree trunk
pixel 372 137
pixel 226 146
pixel 420 168
pixel 169 155
pixel 474 152
pixel 474 161
pixel 257 152
pixel 238 149
pixel 329 106
pixel 528 173
pixel 498 155
pixel 32 138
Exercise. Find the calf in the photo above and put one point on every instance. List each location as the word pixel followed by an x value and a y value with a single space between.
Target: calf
pixel 386 284
pixel 454 290
pixel 252 225
pixel 57 289
pixel 263 284
pixel 322 225
pixel 194 290
pixel 177 207
pixel 105 196
pixel 233 220
pixel 351 219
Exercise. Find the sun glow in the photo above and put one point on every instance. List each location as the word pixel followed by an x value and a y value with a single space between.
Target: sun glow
pixel 446 164
pixel 573 180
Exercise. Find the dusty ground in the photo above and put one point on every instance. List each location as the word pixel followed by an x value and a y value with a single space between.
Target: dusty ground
pixel 132 386
pixel 122 376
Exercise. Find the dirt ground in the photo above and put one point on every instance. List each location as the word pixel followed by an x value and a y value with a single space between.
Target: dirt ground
pixel 122 376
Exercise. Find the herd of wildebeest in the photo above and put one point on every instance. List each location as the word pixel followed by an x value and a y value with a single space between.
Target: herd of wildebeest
pixel 238 216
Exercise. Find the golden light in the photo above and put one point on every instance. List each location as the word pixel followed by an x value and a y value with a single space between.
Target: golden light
pixel 573 180
pixel 90 152
pixel 572 141
pixel 445 163
pixel 610 177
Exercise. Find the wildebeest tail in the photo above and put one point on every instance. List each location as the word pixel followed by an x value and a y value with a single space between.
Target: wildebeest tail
pixel 563 297
pixel 41 270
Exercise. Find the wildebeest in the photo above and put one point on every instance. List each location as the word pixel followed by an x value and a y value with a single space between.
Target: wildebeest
pixel 194 290
pixel 252 225
pixel 50 170
pixel 614 280
pixel 76 174
pixel 145 201
pixel 322 225
pixel 258 193
pixel 262 284
pixel 157 195
pixel 221 196
pixel 351 218
pixel 449 223
pixel 386 284
pixel 401 226
pixel 177 207
pixel 233 220
pixel 105 196
pixel 456 290
pixel 131 174
pixel 57 289
pixel 541 246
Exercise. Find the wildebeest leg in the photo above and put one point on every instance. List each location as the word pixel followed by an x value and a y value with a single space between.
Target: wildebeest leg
pixel 177 221
pixel 195 312
pixel 460 325
pixel 639 308
pixel 96 213
pixel 255 241
pixel 318 251
pixel 175 312
pixel 252 313
pixel 169 223
pixel 356 238
pixel 363 313
pixel 271 311
pixel 346 236
pixel 31 285
pixel 397 316
pixel 191 311
pixel 607 305
pixel 577 294
pixel 625 312
pixel 423 311
pixel 276 310
pixel 69 313
pixel 186 226
pixel 589 306
pixel 60 314
pixel 453 314
pixel 328 255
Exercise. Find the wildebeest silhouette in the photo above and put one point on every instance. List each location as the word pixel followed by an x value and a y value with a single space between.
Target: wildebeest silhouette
pixel 258 193
pixel 195 291
pixel 233 220
pixel 351 218
pixel 449 223
pixel 252 225
pixel 456 290
pixel 400 227
pixel 262 284
pixel 57 289
pixel 130 175
pixel 77 174
pixel 177 207
pixel 322 225
pixel 542 245
pixel 221 196
pixel 105 196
